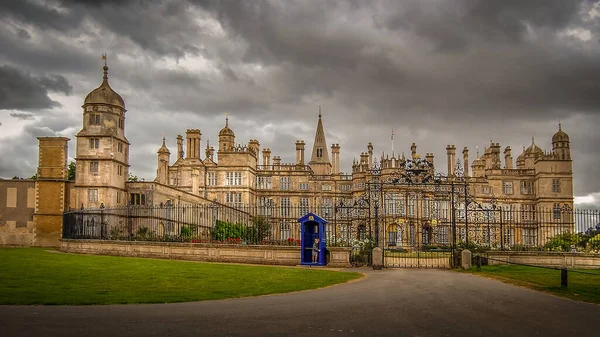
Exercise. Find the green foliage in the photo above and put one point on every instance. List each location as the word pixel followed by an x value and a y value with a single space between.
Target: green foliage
pixel 471 246
pixel 224 231
pixel 563 242
pixel 71 171
pixel 239 233
pixel 188 232
pixel 259 230
pixel 594 243
pixel 118 233
pixel 144 234
pixel 581 287
pixel 526 248
pixel 33 177
pixel 134 179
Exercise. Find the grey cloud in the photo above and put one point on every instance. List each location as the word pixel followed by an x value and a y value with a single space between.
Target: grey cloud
pixel 23 34
pixel 22 149
pixel 456 25
pixel 22 116
pixel 20 90
pixel 439 72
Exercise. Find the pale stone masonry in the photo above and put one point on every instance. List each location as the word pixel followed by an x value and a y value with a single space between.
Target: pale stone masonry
pixel 239 174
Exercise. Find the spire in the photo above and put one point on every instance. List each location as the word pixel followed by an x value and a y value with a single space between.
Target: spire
pixel 320 156
pixel 559 126
pixel 226 120
pixel 105 67
pixel 532 141
pixel 163 148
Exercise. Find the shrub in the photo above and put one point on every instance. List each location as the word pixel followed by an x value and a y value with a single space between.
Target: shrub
pixel 226 230
pixel 188 231
pixel 563 242
pixel 144 234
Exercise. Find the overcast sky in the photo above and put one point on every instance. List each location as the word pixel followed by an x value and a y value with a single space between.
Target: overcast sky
pixel 460 72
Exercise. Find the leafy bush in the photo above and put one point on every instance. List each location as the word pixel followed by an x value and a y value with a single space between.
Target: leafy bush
pixel 188 232
pixel 563 242
pixel 593 243
pixel 471 246
pixel 144 234
pixel 259 230
pixel 226 230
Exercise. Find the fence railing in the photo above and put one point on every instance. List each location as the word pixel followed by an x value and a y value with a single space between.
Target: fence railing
pixel 548 230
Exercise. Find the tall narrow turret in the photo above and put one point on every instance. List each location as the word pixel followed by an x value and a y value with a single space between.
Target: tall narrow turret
pixel 319 161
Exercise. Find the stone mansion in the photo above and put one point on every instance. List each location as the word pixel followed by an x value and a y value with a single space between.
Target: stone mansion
pixel 242 174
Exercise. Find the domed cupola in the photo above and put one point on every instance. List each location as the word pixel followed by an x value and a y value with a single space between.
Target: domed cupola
pixel 534 149
pixel 561 144
pixel 226 136
pixel 104 94
pixel 560 136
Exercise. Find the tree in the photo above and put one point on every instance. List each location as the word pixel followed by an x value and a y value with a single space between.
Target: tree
pixel 134 179
pixel 71 171
pixel 33 177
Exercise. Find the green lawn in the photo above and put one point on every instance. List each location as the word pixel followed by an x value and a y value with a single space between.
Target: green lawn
pixel 582 287
pixel 39 276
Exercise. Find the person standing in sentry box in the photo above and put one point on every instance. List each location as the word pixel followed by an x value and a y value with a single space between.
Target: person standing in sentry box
pixel 315 251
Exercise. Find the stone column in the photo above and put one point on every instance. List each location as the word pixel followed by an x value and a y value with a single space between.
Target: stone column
pixel 508 160
pixel 465 152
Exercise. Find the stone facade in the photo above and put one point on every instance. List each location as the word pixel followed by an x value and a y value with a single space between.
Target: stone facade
pixel 239 174
pixel 17 205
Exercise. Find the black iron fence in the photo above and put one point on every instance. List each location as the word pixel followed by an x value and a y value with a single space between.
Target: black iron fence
pixel 211 223
pixel 483 229
pixel 477 229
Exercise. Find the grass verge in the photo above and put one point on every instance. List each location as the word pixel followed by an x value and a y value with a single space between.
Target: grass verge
pixel 38 276
pixel 581 287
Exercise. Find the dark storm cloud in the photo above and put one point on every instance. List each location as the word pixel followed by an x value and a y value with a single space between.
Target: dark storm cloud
pixel 20 90
pixel 456 25
pixel 440 72
pixel 493 67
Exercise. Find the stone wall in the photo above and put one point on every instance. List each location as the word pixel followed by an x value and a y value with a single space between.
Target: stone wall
pixel 547 259
pixel 17 205
pixel 273 255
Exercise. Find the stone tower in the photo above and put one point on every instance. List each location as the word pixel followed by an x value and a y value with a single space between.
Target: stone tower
pixel 51 192
pixel 102 149
pixel 561 145
pixel 162 172
pixel 319 161
pixel 226 137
